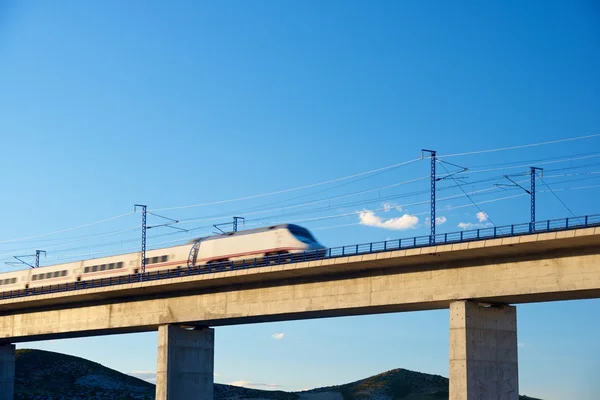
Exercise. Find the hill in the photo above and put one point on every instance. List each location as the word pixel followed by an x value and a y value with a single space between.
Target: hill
pixel 396 384
pixel 45 375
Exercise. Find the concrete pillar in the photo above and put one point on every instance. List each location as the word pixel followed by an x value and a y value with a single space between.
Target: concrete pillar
pixel 185 363
pixel 7 371
pixel 483 352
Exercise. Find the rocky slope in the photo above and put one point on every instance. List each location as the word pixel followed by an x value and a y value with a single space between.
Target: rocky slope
pixel 44 375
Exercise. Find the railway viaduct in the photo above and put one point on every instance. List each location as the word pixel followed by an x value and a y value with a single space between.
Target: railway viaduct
pixel 480 282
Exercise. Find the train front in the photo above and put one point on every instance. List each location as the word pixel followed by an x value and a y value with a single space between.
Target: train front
pixel 311 244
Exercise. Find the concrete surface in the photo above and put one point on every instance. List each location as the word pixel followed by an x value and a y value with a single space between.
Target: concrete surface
pixel 483 352
pixel 7 371
pixel 539 267
pixel 185 363
pixel 512 281
pixel 484 252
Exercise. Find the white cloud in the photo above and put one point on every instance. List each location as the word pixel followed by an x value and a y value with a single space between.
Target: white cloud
pixel 391 206
pixel 481 216
pixel 147 376
pixel 278 336
pixel 438 220
pixel 470 225
pixel 406 221
pixel 255 385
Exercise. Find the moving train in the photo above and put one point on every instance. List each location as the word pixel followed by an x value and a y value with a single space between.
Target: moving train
pixel 283 240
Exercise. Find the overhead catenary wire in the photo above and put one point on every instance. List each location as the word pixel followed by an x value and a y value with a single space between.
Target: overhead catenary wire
pixel 269 219
pixel 345 225
pixel 90 235
pixel 251 222
pixel 218 216
pixel 469 197
pixel 566 159
pixel 479 171
pixel 473 193
pixel 67 229
pixel 10 252
pixel 555 195
pixel 519 146
pixel 288 190
pixel 255 221
pixel 246 210
pixel 530 160
pixel 467 205
pixel 353 176
pixel 191 220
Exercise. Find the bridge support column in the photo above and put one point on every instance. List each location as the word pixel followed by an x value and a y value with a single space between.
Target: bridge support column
pixel 483 352
pixel 7 371
pixel 185 363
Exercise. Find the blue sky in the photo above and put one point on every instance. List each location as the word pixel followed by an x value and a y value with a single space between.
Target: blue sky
pixel 104 105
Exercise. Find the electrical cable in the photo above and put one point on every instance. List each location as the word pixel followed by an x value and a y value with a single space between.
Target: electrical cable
pixel 68 229
pixel 287 190
pixel 517 147
pixel 555 195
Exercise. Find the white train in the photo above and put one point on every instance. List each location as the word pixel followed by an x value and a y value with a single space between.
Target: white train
pixel 235 248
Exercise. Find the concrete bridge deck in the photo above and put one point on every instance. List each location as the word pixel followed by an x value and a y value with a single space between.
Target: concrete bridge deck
pixel 539 267
pixel 483 340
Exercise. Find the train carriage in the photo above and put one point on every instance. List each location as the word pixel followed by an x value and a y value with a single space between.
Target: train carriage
pixel 230 248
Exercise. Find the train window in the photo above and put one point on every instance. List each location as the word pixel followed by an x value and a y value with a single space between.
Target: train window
pixel 56 274
pixel 48 275
pixel 63 273
pixel 154 260
pixel 164 259
pixel 86 270
pixel 111 266
pixel 120 265
pixel 302 234
pixel 34 277
pixel 14 280
pixel 102 267
pixel 94 268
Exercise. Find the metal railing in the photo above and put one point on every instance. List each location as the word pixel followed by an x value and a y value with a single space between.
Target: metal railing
pixel 554 225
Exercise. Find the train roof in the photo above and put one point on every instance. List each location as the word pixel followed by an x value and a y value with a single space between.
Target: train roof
pixel 246 232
